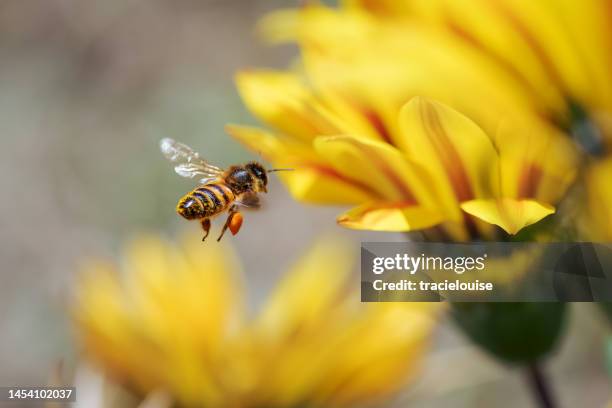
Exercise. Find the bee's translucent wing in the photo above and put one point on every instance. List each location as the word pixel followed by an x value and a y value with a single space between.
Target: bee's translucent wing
pixel 192 170
pixel 207 180
pixel 188 162
pixel 249 200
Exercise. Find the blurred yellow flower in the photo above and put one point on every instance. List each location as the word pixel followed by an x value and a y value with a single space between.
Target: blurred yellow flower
pixel 347 119
pixel 173 320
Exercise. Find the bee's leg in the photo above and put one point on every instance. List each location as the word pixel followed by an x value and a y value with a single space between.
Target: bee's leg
pixel 233 222
pixel 205 222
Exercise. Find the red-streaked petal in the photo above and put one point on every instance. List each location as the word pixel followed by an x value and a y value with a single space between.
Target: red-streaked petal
pixel 510 214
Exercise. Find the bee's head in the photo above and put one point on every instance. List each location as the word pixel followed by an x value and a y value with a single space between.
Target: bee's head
pixel 260 178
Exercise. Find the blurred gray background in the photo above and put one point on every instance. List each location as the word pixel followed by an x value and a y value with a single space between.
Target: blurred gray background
pixel 87 88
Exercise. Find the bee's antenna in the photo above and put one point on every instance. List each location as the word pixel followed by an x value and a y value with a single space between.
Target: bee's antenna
pixel 273 170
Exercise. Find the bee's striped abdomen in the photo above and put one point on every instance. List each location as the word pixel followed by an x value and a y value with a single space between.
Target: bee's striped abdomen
pixel 190 207
pixel 214 197
pixel 205 201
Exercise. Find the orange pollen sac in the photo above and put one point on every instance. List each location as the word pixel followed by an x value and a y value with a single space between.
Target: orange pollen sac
pixel 235 223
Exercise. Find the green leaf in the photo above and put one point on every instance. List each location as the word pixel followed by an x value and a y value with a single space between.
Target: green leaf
pixel 512 332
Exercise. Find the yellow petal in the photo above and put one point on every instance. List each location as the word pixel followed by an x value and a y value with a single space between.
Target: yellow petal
pixel 283 101
pixel 297 323
pixel 213 281
pixel 270 146
pixel 588 25
pixel 495 28
pixel 319 183
pixel 535 162
pixel 385 169
pixel 279 26
pixel 510 214
pixel 597 217
pixel 374 63
pixel 542 30
pixel 382 8
pixel 371 354
pixel 315 284
pixel 313 180
pixel 456 152
pixel 386 218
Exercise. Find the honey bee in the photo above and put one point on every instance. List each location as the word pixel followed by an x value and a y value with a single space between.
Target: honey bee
pixel 219 190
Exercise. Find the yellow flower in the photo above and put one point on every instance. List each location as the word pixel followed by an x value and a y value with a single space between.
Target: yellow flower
pixel 557 52
pixel 173 320
pixel 348 121
pixel 549 57
pixel 442 169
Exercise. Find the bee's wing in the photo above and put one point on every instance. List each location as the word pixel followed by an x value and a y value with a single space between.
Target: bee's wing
pixel 207 180
pixel 249 200
pixel 187 161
